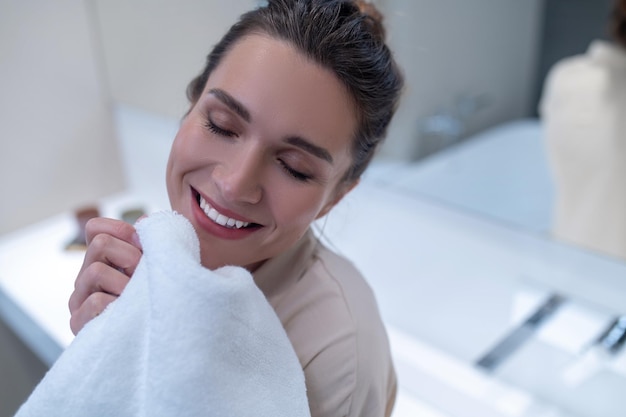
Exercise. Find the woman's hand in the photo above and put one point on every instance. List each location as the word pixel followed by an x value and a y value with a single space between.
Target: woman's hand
pixel 113 252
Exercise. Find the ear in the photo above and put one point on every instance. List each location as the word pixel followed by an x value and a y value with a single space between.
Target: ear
pixel 341 192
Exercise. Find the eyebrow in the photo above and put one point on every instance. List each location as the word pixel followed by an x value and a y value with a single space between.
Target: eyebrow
pixel 297 141
pixel 231 102
pixel 310 148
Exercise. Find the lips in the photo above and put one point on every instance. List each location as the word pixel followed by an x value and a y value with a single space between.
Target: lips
pixel 219 218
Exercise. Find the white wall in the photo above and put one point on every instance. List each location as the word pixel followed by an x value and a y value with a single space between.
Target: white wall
pixel 153 48
pixel 450 48
pixel 57 143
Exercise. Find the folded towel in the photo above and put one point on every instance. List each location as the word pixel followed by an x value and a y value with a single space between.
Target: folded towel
pixel 181 340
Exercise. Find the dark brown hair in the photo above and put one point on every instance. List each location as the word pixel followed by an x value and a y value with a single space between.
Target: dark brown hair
pixel 618 22
pixel 346 37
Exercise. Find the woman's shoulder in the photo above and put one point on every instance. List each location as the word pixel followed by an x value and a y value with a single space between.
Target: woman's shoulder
pixel 333 321
pixel 332 300
pixel 336 282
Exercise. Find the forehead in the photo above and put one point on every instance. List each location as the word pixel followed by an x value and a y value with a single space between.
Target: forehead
pixel 287 93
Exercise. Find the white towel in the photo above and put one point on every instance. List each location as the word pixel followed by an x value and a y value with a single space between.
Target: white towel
pixel 181 340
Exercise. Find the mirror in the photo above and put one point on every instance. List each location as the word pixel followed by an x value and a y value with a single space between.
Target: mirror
pixel 476 73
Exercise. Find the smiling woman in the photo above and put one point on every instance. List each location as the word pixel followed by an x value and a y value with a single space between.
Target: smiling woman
pixel 273 131
pixel 285 117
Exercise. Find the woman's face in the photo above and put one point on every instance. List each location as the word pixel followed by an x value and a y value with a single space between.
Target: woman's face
pixel 261 153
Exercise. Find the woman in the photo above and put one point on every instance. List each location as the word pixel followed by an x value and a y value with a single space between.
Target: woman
pixel 284 118
pixel 583 108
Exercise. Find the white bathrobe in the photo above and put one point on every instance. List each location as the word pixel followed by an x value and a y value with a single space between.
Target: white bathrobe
pixel 181 340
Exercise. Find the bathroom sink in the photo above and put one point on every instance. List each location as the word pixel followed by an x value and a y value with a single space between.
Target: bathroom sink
pixel 455 289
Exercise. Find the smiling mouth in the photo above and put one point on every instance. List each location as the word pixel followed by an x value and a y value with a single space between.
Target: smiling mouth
pixel 221 219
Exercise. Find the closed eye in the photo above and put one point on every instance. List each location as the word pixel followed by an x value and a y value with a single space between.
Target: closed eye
pixel 214 128
pixel 297 175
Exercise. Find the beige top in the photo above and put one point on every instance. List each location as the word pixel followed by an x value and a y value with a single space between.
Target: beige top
pixel 332 319
pixel 583 109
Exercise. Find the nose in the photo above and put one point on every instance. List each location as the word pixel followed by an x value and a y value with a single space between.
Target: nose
pixel 239 177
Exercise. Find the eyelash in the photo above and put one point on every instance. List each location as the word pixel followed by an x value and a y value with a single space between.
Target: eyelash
pixel 218 130
pixel 297 175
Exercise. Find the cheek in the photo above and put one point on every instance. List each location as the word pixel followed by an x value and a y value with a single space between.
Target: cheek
pixel 297 208
pixel 182 158
pixel 187 150
pixel 173 162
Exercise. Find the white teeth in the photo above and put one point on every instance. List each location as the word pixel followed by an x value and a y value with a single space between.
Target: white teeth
pixel 219 218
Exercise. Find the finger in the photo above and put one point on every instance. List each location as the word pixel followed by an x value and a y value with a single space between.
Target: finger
pixel 116 228
pixel 93 306
pixel 98 277
pixel 112 251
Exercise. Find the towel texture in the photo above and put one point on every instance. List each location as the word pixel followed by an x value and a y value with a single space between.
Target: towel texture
pixel 181 340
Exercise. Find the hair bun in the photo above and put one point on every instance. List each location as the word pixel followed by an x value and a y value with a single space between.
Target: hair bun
pixel 374 17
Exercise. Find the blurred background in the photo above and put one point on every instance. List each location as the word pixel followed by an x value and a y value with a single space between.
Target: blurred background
pixel 67 68
pixel 469 65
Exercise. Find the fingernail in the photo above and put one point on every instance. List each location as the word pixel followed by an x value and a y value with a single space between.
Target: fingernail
pixel 136 241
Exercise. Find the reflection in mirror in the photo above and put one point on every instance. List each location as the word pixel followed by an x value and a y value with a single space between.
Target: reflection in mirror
pixel 582 109
pixel 486 149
